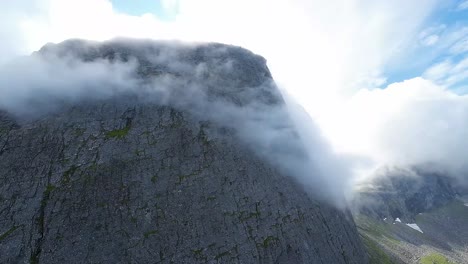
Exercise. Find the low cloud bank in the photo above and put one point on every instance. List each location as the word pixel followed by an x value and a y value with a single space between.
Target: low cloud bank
pixel 34 85
pixel 225 84
pixel 412 123
pixel 332 50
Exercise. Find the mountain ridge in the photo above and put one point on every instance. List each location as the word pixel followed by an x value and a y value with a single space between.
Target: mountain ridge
pixel 407 215
pixel 125 179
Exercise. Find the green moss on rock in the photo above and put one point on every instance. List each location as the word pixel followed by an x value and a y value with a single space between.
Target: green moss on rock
pixel 434 258
pixel 268 241
pixel 68 173
pixel 118 133
pixel 150 233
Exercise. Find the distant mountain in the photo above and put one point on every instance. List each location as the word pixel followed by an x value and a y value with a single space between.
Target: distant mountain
pixel 413 216
pixel 133 178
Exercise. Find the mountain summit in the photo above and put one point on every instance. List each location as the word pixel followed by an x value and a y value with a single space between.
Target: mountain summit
pixel 151 160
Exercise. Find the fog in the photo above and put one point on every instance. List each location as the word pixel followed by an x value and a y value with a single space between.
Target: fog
pixel 327 57
pixel 279 131
pixel 31 86
pixel 412 123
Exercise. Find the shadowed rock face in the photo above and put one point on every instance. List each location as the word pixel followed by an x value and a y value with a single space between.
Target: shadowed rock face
pixel 409 214
pixel 405 193
pixel 121 180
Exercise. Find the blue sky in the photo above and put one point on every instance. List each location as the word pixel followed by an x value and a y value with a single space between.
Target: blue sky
pixel 138 7
pixel 430 47
pixel 441 26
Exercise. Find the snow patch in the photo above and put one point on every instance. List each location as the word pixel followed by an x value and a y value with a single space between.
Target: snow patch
pixel 415 227
pixel 398 220
pixel 466 204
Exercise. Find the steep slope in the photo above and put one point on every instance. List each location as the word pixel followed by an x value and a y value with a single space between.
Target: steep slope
pixel 413 215
pixel 123 179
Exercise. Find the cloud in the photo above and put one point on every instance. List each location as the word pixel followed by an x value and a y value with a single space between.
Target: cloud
pixel 430 37
pixel 451 41
pixel 35 85
pixel 343 45
pixel 430 40
pixel 463 5
pixel 461 44
pixel 415 122
pixel 12 27
pixel 170 6
pixel 327 55
pixel 228 86
pixel 448 73
pixel 442 59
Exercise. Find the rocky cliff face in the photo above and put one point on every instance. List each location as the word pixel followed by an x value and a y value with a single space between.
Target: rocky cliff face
pixel 413 216
pixel 404 193
pixel 126 180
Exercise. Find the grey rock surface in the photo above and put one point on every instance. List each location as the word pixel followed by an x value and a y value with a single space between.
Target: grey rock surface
pixel 404 193
pixel 389 206
pixel 121 180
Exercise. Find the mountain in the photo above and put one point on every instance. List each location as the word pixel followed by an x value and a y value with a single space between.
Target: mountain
pixel 158 171
pixel 413 215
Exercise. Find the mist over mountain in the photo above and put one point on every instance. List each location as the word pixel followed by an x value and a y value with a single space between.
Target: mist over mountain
pixel 206 121
pixel 138 151
pixel 176 148
pixel 413 214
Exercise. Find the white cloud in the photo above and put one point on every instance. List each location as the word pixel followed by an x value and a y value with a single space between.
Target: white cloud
pixel 15 40
pixel 430 36
pixel 461 45
pixel 321 52
pixel 454 38
pixel 448 73
pixel 407 123
pixel 462 6
pixel 32 85
pixel 316 49
pixel 452 71
pixel 170 6
pixel 430 40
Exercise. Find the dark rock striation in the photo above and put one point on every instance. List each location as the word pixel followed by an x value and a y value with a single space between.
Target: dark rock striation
pixel 126 180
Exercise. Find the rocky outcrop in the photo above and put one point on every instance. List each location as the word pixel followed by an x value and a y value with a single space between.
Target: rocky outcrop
pixel 125 180
pixel 404 193
pixel 412 215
